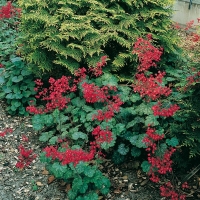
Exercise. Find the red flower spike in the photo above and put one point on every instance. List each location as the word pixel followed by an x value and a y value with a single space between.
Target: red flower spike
pixel 54 95
pixel 148 54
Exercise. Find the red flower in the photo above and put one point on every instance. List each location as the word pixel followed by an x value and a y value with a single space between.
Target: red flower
pixel 102 136
pixel 24 138
pixel 4 132
pixel 148 54
pixel 164 112
pixel 25 157
pixel 151 86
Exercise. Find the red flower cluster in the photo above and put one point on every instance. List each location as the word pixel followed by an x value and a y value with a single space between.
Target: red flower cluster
pixel 195 37
pixel 148 54
pixel 176 26
pixel 9 11
pixel 24 138
pixel 93 94
pixel 167 190
pixel 164 112
pixel 70 155
pixel 1 65
pixel 25 157
pixel 185 185
pixel 53 95
pixel 102 136
pixel 80 74
pixel 4 132
pixel 193 79
pixel 151 86
pixel 162 164
pixel 151 138
pixel 189 25
pixel 97 71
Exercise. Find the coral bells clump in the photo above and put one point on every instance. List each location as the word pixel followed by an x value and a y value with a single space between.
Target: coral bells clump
pixel 148 54
pixel 25 157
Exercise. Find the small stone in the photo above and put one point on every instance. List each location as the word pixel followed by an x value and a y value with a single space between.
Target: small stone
pixel 39 183
pixel 29 125
pixel 130 186
pixel 144 182
pixel 109 195
pixel 117 191
pixel 45 172
pixel 26 190
pixel 133 190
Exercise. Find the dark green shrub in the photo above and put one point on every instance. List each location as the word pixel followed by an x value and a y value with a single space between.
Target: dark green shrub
pixel 73 34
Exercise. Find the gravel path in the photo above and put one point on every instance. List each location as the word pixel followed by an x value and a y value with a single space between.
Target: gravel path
pixel 20 184
pixel 32 182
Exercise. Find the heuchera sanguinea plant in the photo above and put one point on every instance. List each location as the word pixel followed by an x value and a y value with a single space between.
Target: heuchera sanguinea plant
pixel 150 87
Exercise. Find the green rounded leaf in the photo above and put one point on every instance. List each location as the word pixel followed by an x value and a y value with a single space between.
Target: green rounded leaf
pixel 145 166
pixel 17 79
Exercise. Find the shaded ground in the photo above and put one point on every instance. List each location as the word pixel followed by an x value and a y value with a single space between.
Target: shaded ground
pixel 34 183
